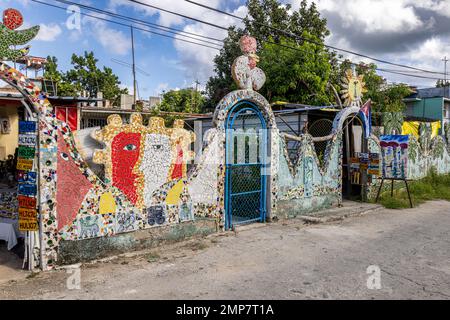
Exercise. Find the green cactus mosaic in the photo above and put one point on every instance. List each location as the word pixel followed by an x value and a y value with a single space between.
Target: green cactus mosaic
pixel 10 38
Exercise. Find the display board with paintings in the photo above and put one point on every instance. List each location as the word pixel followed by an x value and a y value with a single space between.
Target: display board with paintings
pixel 394 150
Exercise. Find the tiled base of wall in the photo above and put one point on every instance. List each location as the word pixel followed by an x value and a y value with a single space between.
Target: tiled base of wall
pixel 96 248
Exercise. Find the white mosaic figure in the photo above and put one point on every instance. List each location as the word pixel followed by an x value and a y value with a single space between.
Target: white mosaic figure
pixel 244 70
pixel 155 164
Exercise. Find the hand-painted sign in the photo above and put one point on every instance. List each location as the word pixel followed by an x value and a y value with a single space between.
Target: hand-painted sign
pixel 27 140
pixel 27 177
pixel 26 152
pixel 374 165
pixel 27 214
pixel 27 126
pixel 28 225
pixel 24 164
pixel 27 202
pixel 394 150
pixel 27 189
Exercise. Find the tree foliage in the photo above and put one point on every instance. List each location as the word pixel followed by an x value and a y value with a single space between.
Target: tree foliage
pixel 186 100
pixel 85 75
pixel 300 67
pixel 296 75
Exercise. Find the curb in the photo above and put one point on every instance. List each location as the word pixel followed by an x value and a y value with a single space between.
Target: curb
pixel 339 217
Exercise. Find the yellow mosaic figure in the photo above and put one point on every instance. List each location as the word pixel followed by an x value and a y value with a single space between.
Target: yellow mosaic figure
pixel 138 159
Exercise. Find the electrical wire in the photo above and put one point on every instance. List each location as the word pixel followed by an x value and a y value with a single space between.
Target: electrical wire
pixel 139 21
pixel 290 34
pixel 200 44
pixel 129 26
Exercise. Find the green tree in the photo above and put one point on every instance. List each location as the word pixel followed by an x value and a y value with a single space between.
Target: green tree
pixel 305 21
pixel 85 76
pixel 441 83
pixel 296 75
pixel 185 100
pixel 51 72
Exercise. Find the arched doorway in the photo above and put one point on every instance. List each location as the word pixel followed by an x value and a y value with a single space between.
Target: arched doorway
pixel 354 143
pixel 246 165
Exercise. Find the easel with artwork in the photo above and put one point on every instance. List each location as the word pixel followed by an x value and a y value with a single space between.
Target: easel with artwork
pixel 394 149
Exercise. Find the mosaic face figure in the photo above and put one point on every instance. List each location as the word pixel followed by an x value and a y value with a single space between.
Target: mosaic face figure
pixel 155 164
pixel 354 88
pixel 125 152
pixel 139 160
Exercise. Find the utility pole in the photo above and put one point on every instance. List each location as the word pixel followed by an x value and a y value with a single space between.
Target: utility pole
pixel 134 66
pixel 195 94
pixel 445 73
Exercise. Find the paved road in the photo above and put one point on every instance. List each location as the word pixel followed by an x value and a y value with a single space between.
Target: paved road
pixel 285 260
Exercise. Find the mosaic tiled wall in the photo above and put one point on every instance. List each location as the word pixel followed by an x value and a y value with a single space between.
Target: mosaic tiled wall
pixel 424 154
pixel 307 185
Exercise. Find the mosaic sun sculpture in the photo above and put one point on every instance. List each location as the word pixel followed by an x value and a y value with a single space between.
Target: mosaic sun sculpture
pixel 354 88
pixel 9 36
pixel 244 70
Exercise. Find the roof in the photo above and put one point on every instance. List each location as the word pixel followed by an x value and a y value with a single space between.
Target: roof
pixel 430 93
pixel 97 110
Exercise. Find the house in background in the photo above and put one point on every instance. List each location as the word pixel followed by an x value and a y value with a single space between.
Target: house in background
pixel 431 104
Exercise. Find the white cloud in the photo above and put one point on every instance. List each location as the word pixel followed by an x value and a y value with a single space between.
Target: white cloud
pixel 115 41
pixel 374 15
pixel 49 32
pixel 194 60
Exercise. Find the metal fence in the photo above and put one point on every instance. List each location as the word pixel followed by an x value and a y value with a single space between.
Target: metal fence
pixel 320 128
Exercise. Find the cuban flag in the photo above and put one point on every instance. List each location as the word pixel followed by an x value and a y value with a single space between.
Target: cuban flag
pixel 365 113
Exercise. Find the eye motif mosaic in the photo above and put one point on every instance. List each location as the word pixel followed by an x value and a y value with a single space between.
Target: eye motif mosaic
pixel 139 160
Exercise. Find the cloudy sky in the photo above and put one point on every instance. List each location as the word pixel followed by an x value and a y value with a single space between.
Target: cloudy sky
pixel 411 32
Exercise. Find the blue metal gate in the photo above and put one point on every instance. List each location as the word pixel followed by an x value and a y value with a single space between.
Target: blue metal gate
pixel 246 159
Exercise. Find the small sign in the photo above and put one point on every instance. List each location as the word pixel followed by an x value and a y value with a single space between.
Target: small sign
pixel 27 214
pixel 27 126
pixel 26 152
pixel 27 189
pixel 24 164
pixel 27 140
pixel 27 202
pixel 27 177
pixel 28 225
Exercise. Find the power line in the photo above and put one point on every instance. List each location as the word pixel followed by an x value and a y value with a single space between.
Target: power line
pixel 175 38
pixel 178 14
pixel 126 64
pixel 141 22
pixel 290 34
pixel 128 26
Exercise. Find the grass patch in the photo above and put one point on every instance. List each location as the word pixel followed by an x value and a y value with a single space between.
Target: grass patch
pixel 153 257
pixel 198 245
pixel 432 187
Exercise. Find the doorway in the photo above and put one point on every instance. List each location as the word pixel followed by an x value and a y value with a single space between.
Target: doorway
pixel 246 162
pixel 354 143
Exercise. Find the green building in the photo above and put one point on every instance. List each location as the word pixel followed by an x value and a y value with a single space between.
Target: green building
pixel 430 104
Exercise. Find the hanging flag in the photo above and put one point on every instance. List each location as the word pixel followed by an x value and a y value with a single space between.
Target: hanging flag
pixel 365 113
